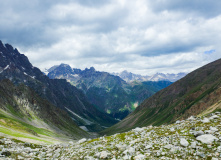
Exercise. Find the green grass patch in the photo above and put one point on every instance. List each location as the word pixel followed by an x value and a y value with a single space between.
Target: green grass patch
pixel 14 112
pixel 9 122
pixel 21 135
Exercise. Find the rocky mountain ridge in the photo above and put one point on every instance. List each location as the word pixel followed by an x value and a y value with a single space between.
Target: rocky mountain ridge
pixel 130 77
pixel 17 68
pixel 107 92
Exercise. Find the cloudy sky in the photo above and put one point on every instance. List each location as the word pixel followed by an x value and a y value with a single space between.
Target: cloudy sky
pixel 142 36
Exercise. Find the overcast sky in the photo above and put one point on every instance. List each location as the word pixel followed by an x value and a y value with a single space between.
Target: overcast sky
pixel 141 36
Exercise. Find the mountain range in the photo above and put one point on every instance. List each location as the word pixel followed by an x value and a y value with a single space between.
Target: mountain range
pixel 130 77
pixel 197 93
pixel 34 106
pixel 41 110
pixel 109 93
pixel 27 95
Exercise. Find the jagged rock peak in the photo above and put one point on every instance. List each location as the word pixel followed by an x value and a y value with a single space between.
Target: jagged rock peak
pixel 64 65
pixel 77 71
pixel 10 56
pixel 8 48
pixel 51 69
pixel 1 44
pixel 130 77
pixel 66 69
pixel 92 69
pixel 125 71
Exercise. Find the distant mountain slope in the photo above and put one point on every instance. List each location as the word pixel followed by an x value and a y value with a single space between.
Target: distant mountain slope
pixel 193 94
pixel 107 92
pixel 22 110
pixel 18 69
pixel 130 77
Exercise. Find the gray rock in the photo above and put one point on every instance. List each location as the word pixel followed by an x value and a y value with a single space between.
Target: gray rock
pixel 191 118
pixel 198 133
pixel 168 146
pixel 82 140
pixel 214 117
pixel 148 146
pixel 193 144
pixel 184 142
pixel 213 129
pixel 178 122
pixel 202 155
pixel 104 154
pixel 206 138
pixel 205 120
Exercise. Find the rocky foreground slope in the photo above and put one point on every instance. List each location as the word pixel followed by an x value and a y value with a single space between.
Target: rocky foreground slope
pixel 193 138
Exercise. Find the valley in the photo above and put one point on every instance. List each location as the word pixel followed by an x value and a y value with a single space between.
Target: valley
pixel 108 93
pixel 110 80
pixel 189 96
pixel 87 114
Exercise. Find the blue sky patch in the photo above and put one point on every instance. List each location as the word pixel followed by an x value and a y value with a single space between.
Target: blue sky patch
pixel 210 51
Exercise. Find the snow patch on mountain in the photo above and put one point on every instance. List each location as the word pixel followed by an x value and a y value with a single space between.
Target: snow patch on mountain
pixel 129 77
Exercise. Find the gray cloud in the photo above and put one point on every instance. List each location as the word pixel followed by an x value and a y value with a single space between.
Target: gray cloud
pixel 140 36
pixel 205 8
pixel 92 3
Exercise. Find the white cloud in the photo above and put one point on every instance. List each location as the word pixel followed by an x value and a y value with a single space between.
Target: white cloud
pixel 140 36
